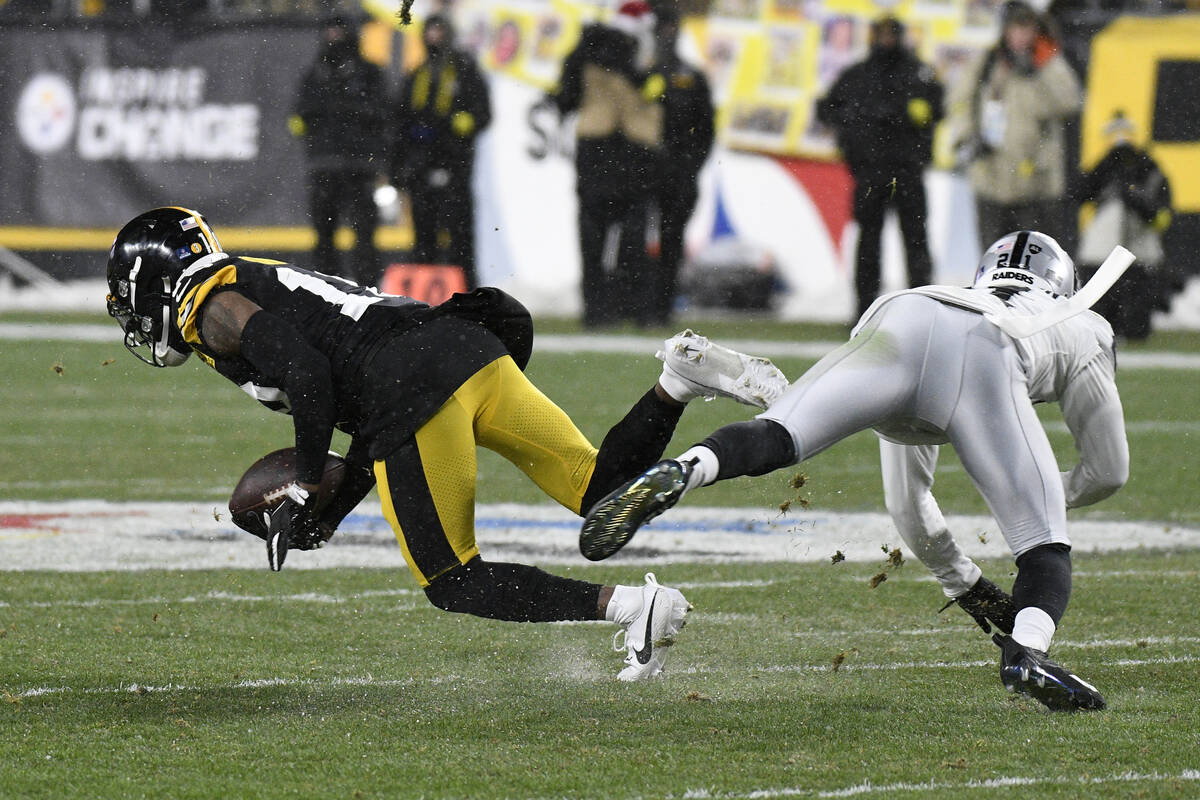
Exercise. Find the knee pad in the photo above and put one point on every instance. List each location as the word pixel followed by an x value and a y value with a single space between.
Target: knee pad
pixel 459 589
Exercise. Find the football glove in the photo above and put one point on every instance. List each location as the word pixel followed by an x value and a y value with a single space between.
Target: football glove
pixel 290 521
pixel 986 602
pixel 310 537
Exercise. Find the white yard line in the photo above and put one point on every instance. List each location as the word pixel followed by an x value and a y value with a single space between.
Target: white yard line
pixel 870 788
pixel 93 536
pixel 262 683
pixel 850 666
pixel 593 343
pixel 215 597
pixel 718 618
pixel 369 681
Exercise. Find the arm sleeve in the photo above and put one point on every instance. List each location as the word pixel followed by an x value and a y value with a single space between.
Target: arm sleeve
pixel 569 91
pixel 1092 181
pixel 358 482
pixel 705 128
pixel 1146 197
pixel 1092 410
pixel 401 120
pixel 376 111
pixel 278 351
pixel 963 99
pixel 480 100
pixel 907 489
pixel 306 101
pixel 829 107
pixel 1060 93
pixel 935 93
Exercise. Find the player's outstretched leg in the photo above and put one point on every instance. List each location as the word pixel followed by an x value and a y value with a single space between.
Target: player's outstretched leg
pixel 614 520
pixel 694 367
pixel 647 634
pixel 1031 672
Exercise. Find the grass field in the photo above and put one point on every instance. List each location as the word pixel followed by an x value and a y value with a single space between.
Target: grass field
pixel 345 683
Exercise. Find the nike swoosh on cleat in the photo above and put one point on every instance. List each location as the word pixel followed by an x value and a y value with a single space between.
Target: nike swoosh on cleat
pixel 643 655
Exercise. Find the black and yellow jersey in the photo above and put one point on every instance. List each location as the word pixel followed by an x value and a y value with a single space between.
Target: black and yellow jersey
pixel 394 361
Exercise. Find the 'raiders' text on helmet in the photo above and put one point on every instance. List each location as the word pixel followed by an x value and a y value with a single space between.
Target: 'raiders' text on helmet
pixel 1027 260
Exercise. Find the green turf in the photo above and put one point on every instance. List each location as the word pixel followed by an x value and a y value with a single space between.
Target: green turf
pixel 756 325
pixel 346 684
pixel 87 420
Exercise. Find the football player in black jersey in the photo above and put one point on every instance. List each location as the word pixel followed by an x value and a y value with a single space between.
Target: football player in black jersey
pixel 417 388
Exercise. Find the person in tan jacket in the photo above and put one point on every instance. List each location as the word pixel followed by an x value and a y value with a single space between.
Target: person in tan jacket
pixel 1015 99
pixel 619 134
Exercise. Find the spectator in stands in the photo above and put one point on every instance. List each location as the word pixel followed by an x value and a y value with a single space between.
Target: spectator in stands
pixel 619 136
pixel 1132 208
pixel 340 115
pixel 883 111
pixel 1016 97
pixel 442 108
pixel 687 139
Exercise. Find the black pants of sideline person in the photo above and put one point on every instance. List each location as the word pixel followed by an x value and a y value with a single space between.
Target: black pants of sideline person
pixel 618 277
pixel 443 213
pixel 675 206
pixel 874 193
pixel 613 183
pixel 345 197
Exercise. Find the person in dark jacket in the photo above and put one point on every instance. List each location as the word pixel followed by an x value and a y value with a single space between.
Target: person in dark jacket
pixel 340 115
pixel 619 134
pixel 1133 209
pixel 687 141
pixel 884 110
pixel 443 107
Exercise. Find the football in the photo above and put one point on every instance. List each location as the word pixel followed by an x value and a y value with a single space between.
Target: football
pixel 262 487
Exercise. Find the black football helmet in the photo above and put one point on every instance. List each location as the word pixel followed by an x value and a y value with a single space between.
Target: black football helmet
pixel 144 265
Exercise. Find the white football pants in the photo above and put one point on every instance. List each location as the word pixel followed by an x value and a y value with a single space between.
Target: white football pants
pixel 920 372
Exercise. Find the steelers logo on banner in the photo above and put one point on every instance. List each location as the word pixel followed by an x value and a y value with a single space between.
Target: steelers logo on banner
pixel 46 113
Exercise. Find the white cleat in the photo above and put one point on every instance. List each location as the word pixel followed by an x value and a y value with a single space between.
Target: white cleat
pixel 709 370
pixel 652 631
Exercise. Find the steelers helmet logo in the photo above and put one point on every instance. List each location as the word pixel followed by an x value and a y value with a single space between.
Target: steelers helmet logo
pixel 46 113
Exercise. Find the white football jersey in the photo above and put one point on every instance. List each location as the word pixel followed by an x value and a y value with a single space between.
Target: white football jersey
pixel 1073 364
pixel 1051 358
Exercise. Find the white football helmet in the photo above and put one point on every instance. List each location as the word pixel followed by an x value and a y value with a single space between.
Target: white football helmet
pixel 1027 260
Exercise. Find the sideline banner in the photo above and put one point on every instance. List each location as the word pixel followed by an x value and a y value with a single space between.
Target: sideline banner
pixel 96 125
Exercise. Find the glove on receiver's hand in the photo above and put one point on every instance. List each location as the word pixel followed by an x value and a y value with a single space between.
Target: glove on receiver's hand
pixel 292 520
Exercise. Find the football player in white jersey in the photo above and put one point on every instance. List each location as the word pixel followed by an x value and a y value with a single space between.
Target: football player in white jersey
pixel 933 365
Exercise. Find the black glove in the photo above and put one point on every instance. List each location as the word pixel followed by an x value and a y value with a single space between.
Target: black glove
pixel 290 524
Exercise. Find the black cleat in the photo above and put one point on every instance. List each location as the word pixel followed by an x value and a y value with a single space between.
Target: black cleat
pixel 986 602
pixel 1031 672
pixel 614 520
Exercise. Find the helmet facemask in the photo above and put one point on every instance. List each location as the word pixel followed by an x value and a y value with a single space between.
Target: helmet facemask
pixel 150 253
pixel 145 320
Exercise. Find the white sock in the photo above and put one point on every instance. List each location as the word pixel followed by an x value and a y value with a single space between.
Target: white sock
pixel 624 605
pixel 1033 628
pixel 705 467
pixel 680 391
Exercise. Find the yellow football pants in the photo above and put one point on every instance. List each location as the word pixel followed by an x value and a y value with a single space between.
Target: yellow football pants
pixel 427 487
